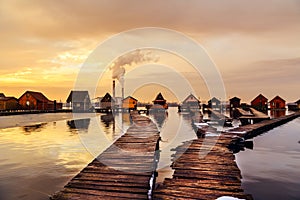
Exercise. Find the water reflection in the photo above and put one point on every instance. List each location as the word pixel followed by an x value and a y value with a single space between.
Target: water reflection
pixel 277 113
pixel 108 119
pixel 79 124
pixel 239 144
pixel 33 166
pixel 271 169
pixel 33 128
pixel 160 118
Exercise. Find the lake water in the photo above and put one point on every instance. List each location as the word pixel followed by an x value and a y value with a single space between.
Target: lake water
pixel 272 169
pixel 39 159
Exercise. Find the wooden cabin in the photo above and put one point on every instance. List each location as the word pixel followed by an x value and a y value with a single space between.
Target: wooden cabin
pixel 191 103
pixel 277 103
pixel 260 103
pixel 159 100
pixel 292 106
pixel 31 100
pixel 129 103
pixel 80 101
pixel 107 102
pixel 9 103
pixel 234 102
pixel 214 104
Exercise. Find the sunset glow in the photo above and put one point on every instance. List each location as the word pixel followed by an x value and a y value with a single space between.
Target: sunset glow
pixel 255 45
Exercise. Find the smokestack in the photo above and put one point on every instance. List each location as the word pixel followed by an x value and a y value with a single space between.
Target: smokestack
pixel 114 89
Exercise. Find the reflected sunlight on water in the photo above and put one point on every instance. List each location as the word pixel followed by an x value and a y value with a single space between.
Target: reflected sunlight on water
pixel 39 159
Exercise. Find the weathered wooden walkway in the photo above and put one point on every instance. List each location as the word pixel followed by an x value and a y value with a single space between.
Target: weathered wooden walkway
pixel 254 115
pixel 252 130
pixel 198 176
pixel 216 174
pixel 217 115
pixel 123 171
pixel 126 169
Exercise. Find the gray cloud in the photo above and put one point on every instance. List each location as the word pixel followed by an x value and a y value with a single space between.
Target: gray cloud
pixel 74 19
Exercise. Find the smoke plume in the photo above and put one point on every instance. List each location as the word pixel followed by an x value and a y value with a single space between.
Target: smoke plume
pixel 132 58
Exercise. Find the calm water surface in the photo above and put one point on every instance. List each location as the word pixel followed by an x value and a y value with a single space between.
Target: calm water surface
pixel 272 169
pixel 40 159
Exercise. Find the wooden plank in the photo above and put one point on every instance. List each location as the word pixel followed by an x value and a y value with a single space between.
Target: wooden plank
pixel 123 170
pixel 208 177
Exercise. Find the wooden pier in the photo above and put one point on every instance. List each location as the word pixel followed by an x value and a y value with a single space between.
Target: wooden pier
pixel 252 130
pixel 215 174
pixel 198 176
pixel 253 116
pixel 126 170
pixel 221 118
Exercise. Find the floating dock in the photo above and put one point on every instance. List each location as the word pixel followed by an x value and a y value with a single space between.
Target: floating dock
pixel 199 176
pixel 253 116
pixel 216 174
pixel 126 170
pixel 219 117
pixel 252 130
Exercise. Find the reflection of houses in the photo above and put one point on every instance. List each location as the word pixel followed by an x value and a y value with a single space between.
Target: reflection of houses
pixel 191 103
pixel 160 101
pixel 8 103
pixel 275 113
pixel 214 104
pixel 277 103
pixel 34 128
pixel 80 101
pixel 35 101
pixel 130 103
pixel 260 103
pixel 108 119
pixel 160 117
pixel 79 123
pixel 107 102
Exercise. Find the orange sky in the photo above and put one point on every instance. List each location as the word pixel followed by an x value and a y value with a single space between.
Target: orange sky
pixel 254 44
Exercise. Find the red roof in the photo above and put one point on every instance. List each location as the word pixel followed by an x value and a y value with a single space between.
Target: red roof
pixel 260 97
pixel 37 95
pixel 277 97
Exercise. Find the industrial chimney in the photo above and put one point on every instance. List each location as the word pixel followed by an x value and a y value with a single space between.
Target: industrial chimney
pixel 114 89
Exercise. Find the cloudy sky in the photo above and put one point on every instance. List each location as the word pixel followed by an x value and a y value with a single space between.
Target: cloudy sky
pixel 254 44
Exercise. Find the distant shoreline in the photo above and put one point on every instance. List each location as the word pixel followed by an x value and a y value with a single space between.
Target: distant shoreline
pixel 25 112
pixel 11 121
